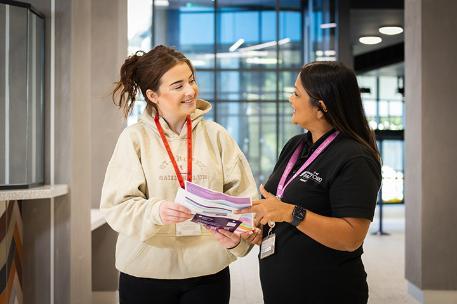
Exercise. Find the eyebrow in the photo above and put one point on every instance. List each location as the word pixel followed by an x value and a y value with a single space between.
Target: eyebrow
pixel 179 81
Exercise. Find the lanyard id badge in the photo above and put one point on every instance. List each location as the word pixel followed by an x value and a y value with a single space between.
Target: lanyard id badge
pixel 188 228
pixel 267 247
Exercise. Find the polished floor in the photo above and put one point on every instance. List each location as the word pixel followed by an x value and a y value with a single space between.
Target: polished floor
pixel 384 260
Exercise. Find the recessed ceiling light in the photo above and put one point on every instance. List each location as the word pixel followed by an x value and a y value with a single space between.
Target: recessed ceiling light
pixel 161 3
pixel 370 39
pixel 391 30
pixel 328 25
pixel 236 45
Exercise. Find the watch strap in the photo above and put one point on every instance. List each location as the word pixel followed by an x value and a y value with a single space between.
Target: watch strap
pixel 298 215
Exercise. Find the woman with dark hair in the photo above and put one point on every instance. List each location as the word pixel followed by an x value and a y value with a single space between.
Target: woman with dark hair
pixel 162 256
pixel 320 199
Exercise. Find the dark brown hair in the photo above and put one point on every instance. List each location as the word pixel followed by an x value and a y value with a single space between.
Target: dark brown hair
pixel 143 71
pixel 336 85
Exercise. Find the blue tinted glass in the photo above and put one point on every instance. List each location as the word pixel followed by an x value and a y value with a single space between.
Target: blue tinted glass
pixel 205 81
pixel 236 25
pixel 196 28
pixel 246 86
pixel 268 26
pixel 290 25
pixel 253 126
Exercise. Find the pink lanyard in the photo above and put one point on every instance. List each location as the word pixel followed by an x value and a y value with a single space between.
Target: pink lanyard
pixel 282 186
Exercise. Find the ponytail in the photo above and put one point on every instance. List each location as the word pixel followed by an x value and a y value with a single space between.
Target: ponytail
pixel 143 71
pixel 127 87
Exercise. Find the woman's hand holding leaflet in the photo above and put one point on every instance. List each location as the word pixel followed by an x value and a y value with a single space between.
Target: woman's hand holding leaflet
pixel 226 238
pixel 270 209
pixel 172 213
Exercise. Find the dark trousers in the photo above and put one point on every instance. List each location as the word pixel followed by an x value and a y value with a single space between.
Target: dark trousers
pixel 211 289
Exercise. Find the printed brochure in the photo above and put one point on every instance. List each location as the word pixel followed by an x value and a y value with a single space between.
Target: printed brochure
pixel 215 209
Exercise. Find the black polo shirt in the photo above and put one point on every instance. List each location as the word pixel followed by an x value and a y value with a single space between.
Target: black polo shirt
pixel 343 181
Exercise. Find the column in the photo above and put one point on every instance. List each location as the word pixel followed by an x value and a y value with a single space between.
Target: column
pixel 431 149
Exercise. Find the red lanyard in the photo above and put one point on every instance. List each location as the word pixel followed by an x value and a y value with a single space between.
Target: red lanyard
pixel 170 154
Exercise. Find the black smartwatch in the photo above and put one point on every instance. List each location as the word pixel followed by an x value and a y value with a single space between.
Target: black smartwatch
pixel 298 215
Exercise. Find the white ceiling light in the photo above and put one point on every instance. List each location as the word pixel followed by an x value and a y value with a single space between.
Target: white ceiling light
pixel 391 30
pixel 236 45
pixel 330 53
pixel 257 60
pixel 161 3
pixel 370 39
pixel 328 25
pixel 264 45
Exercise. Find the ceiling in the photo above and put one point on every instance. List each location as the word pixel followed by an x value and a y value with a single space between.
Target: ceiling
pixel 367 21
pixel 397 69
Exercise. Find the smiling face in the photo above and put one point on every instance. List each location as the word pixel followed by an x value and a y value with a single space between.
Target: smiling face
pixel 304 112
pixel 177 94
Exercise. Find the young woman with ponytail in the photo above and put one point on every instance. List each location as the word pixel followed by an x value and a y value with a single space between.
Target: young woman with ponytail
pixel 162 257
pixel 321 196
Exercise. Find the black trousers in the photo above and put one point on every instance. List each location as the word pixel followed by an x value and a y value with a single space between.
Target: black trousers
pixel 211 289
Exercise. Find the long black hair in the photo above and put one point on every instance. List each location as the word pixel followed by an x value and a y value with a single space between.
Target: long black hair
pixel 336 85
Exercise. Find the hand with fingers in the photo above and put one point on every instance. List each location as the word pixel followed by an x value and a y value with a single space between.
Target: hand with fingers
pixel 269 209
pixel 226 238
pixel 172 213
pixel 253 237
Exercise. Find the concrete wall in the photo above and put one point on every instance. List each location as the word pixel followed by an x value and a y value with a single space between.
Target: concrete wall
pixel 431 108
pixel 90 44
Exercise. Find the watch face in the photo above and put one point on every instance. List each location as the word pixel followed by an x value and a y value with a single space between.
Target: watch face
pixel 298 215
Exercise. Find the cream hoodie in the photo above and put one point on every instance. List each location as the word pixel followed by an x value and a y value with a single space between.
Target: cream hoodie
pixel 140 175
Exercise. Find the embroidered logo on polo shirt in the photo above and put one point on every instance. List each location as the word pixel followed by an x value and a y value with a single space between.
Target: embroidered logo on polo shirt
pixel 307 175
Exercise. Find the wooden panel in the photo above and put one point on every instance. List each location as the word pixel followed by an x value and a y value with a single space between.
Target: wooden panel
pixel 11 253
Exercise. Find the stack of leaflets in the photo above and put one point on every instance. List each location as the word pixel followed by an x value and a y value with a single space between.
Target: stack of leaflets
pixel 215 209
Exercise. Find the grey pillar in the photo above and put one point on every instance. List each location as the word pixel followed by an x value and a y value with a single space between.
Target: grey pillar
pixel 431 150
pixel 344 45
pixel 90 43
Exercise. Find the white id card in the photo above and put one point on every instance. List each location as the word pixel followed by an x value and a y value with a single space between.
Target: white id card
pixel 267 247
pixel 188 228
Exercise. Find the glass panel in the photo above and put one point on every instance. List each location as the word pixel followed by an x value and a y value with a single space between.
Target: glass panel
pixel 188 26
pixel 240 85
pixel 139 25
pixel 39 105
pixel 205 81
pixel 21 97
pixel 383 102
pixel 17 95
pixel 35 122
pixel 322 30
pixel 291 34
pixel 246 34
pixel 234 49
pixel 390 104
pixel 368 88
pixel 287 84
pixel 139 38
pixel 286 129
pixel 392 170
pixel 253 125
